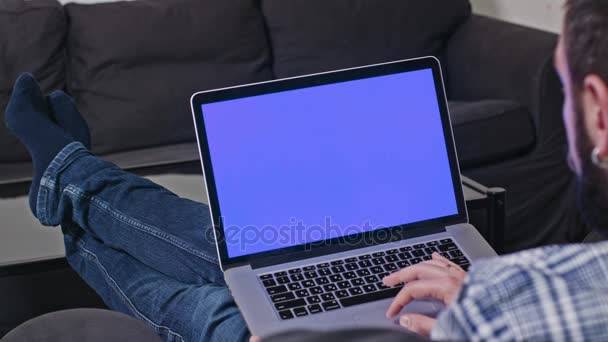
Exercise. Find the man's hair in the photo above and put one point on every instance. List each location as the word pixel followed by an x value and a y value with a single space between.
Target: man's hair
pixel 586 39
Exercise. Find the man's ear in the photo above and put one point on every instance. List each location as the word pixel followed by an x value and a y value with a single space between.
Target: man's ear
pixel 595 106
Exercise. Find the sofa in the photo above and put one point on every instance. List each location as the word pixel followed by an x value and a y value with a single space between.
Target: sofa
pixel 132 67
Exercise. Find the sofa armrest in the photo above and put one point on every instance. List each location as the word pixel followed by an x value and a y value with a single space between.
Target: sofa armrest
pixel 492 59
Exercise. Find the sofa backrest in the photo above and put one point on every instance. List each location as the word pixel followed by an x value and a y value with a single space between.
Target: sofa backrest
pixel 32 35
pixel 309 36
pixel 134 65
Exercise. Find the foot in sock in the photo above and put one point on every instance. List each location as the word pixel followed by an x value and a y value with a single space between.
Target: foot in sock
pixel 68 117
pixel 30 116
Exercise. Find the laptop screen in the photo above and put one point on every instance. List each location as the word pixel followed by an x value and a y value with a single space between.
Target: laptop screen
pixel 311 164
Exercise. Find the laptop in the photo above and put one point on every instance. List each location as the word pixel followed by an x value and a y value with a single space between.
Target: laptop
pixel 321 185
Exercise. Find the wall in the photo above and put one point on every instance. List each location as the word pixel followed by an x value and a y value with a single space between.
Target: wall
pixel 541 14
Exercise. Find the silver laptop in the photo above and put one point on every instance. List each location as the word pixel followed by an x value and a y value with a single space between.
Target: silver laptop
pixel 321 185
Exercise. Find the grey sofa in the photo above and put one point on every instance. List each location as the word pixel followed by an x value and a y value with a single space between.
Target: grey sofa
pixel 132 66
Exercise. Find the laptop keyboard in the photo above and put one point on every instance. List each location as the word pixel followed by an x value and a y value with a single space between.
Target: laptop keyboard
pixel 341 283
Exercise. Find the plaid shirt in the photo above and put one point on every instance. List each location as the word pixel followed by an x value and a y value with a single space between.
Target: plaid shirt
pixel 557 293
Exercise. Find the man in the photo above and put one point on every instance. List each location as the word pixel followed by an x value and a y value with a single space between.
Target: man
pixel 144 250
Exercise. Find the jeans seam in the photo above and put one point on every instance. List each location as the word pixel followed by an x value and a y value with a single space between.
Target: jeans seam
pixel 133 223
pixel 47 183
pixel 90 255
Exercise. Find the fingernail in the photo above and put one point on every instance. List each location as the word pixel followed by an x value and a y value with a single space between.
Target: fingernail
pixel 404 321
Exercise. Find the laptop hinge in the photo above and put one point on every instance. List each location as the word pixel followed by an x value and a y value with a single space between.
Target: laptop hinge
pixel 342 247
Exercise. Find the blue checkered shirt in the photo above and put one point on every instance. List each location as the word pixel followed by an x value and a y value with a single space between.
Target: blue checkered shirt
pixel 556 293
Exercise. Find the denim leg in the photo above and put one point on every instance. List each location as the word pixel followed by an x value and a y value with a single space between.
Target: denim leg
pixel 132 214
pixel 177 311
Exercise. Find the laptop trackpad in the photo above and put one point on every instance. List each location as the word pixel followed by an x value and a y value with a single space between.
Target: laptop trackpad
pixel 377 316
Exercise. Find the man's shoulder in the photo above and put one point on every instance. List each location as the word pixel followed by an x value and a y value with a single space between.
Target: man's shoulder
pixel 571 262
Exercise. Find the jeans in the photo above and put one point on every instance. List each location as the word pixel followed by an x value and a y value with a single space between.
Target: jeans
pixel 145 251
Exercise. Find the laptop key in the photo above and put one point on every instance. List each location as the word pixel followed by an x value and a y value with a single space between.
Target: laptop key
pixel 430 250
pixel 403 264
pixel 266 276
pixel 350 260
pixel 310 274
pixel 444 241
pixel 445 255
pixel 405 256
pixel 295 270
pixel 391 258
pixel 322 281
pixel 285 314
pixel 316 290
pixel 378 261
pixel 344 285
pixel 418 253
pixel 392 251
pixel 330 288
pixel 460 261
pixel 335 278
pixel 283 280
pixel 369 297
pixel 313 300
pixel 390 268
pixel 405 249
pixel 376 269
pixel 269 283
pixel 351 267
pixel 324 272
pixel 378 254
pixel 323 265
pixel 415 261
pixel 357 282
pixel 308 268
pixel 342 294
pixel 382 275
pixel 365 263
pixel 308 283
pixel 297 277
pixel 294 286
pixel 302 293
pixel 337 262
pixel 282 297
pixel 448 247
pixel 314 309
pixel 362 273
pixel 280 274
pixel 371 279
pixel 369 288
pixel 432 243
pixel 331 305
pixel 290 304
pixel 338 269
pixel 456 254
pixel 365 257
pixel 327 297
pixel 381 286
pixel 299 312
pixel 419 246
pixel 276 289
pixel 427 257
pixel 349 275
pixel 355 291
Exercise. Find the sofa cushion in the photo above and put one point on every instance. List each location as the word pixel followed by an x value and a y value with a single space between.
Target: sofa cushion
pixel 490 130
pixel 31 40
pixel 133 66
pixel 310 36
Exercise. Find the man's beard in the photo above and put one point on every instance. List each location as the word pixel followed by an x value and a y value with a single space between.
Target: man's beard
pixel 592 183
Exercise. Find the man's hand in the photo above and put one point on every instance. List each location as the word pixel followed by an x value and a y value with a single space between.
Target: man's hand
pixel 438 278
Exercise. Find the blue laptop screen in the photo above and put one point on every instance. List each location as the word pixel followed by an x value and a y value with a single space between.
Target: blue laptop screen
pixel 311 164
